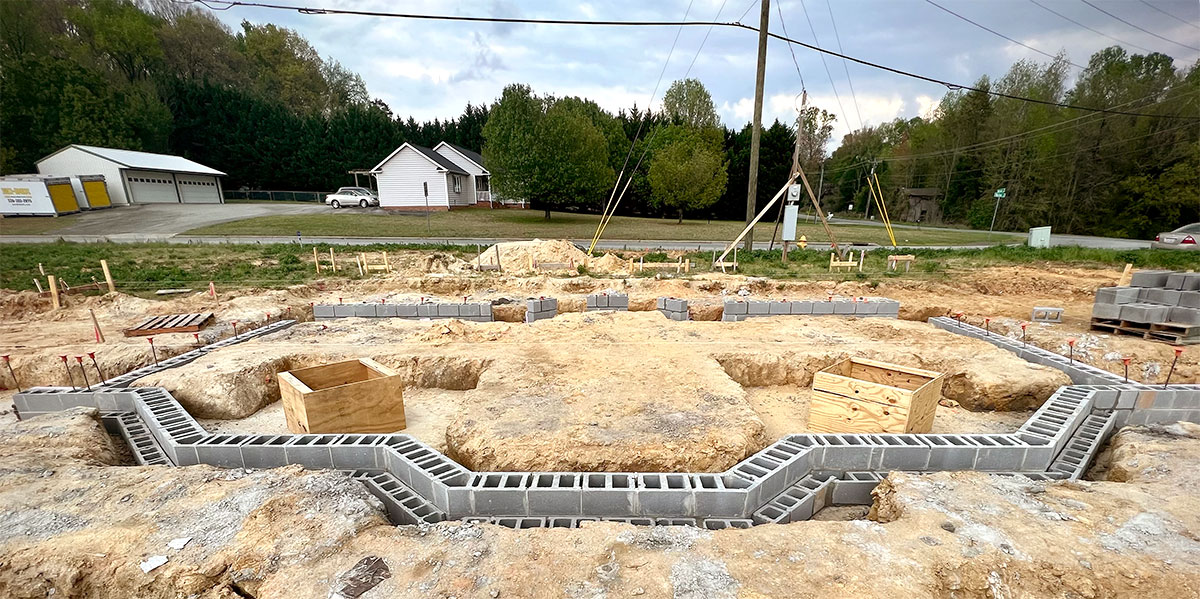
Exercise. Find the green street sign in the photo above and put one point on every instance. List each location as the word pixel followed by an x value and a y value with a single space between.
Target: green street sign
pixel 999 193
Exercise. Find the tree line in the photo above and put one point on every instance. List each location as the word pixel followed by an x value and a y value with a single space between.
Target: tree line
pixel 262 105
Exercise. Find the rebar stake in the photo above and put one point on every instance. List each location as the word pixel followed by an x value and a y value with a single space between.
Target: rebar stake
pixel 1071 344
pixel 1023 342
pixel 1178 350
pixel 70 377
pixel 92 355
pixel 11 373
pixel 86 384
pixel 987 327
pixel 1126 362
pixel 153 353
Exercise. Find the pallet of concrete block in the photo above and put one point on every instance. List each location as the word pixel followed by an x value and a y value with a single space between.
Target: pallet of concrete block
pixel 607 301
pixel 673 308
pixel 737 311
pixel 541 309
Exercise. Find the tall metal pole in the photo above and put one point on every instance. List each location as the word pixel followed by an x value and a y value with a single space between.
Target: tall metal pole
pixel 756 128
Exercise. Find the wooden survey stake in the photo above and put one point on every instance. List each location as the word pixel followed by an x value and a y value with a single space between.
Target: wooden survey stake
pixel 53 284
pixel 355 396
pixel 858 395
pixel 108 276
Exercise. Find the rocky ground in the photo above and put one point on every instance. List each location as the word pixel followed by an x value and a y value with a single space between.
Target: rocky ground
pixel 77 522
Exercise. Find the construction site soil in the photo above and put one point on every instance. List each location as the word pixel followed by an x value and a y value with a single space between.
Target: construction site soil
pixel 587 391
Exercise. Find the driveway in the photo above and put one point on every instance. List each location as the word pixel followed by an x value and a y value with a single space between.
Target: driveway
pixel 157 222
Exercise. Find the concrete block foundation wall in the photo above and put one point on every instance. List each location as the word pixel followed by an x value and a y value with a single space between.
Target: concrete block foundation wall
pixel 788 481
pixel 737 311
pixel 607 301
pixel 673 308
pixel 540 309
pixel 474 311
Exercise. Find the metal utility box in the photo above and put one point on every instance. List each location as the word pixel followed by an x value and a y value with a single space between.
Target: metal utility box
pixel 28 195
pixel 1039 237
pixel 858 395
pixel 355 396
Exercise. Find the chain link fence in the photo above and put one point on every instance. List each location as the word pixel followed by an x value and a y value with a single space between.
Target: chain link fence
pixel 258 195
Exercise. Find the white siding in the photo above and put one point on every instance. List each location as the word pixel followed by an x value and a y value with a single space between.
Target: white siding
pixel 402 179
pixel 72 161
pixel 464 196
pixel 468 166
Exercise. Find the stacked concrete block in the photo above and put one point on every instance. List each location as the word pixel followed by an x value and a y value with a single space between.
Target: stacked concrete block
pixel 540 309
pixel 607 301
pixel 1161 297
pixel 1149 278
pixel 673 308
pixel 737 311
pixel 473 311
pixel 146 450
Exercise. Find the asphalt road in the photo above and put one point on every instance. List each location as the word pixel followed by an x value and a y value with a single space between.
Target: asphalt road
pixel 167 223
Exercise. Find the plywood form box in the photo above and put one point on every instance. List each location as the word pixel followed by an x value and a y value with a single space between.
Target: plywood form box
pixel 355 396
pixel 864 396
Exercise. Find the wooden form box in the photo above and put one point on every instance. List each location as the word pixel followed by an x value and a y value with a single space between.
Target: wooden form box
pixel 355 396
pixel 864 396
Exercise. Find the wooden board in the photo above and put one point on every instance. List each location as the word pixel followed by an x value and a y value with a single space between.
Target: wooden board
pixel 355 396
pixel 857 394
pixel 829 413
pixel 170 323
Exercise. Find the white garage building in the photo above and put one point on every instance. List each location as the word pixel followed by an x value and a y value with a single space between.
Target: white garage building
pixel 139 177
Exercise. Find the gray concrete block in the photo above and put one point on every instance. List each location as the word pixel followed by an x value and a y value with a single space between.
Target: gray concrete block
pixel 447 311
pixel 344 310
pixel 1165 297
pixel 619 302
pixel 387 310
pixel 1108 311
pixel 1144 313
pixel 1149 278
pixel 311 451
pixel 321 311
pixel 427 310
pixel 406 310
pixel 758 308
pixel 499 493
pixel 1185 315
pixel 735 307
pixel 556 493
pixel 1117 295
pixel 660 303
pixel 365 310
pixel 676 305
pixel 843 307
pixel 866 308
pixel 779 307
pixel 802 307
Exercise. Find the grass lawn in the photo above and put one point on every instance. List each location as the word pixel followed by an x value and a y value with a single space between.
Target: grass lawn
pixel 35 225
pixel 529 224
pixel 143 268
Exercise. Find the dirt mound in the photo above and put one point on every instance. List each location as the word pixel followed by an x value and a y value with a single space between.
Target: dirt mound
pixel 518 256
pixel 608 264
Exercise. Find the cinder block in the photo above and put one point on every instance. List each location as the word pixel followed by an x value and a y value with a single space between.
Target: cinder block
pixel 1144 313
pixel 778 307
pixel 322 311
pixel 619 301
pixel 556 493
pixel 1185 315
pixel 757 308
pixel 866 308
pixel 734 307
pixel 608 494
pixel 802 307
pixel 386 310
pixel 427 310
pixel 1149 278
pixel 842 308
pixel 1165 297
pixel 500 493
pixel 1117 295
pixel 1108 311
pixel 1189 299
pixel 664 495
pixel 405 310
pixel 676 305
pixel 447 311
pixel 264 451
pixel 660 303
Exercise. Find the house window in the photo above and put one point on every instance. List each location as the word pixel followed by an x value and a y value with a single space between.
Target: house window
pixel 457 184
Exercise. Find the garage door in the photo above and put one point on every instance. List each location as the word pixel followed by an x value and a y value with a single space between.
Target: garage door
pixel 148 187
pixel 199 190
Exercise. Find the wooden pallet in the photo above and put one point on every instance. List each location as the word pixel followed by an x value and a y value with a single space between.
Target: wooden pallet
pixel 171 323
pixel 1174 333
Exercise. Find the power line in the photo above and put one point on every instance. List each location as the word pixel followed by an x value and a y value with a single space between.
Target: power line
pixel 998 34
pixel 1185 22
pixel 1119 41
pixel 829 74
pixel 1139 28
pixel 948 84
pixel 845 67
pixel 791 50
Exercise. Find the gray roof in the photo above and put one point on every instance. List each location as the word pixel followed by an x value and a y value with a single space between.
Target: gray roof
pixel 473 156
pixel 438 158
pixel 146 160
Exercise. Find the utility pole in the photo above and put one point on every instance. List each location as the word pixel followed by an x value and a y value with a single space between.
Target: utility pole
pixel 756 128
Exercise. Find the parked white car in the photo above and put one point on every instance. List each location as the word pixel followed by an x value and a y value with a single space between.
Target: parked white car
pixel 352 196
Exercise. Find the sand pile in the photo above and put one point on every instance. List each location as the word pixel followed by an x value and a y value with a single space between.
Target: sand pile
pixel 608 263
pixel 517 256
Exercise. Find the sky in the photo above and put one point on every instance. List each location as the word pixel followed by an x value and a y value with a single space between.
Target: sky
pixel 432 69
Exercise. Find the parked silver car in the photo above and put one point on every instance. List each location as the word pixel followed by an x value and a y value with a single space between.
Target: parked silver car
pixel 1183 238
pixel 351 196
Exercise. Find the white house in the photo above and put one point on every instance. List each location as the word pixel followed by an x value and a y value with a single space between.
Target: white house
pixel 139 177
pixel 417 178
pixel 471 162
